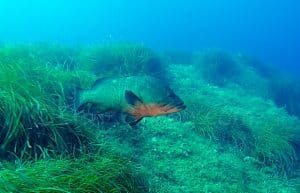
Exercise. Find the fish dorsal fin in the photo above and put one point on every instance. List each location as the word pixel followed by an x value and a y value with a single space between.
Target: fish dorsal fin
pixel 131 98
pixel 100 81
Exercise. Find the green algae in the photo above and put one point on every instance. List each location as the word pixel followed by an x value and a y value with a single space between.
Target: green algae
pixel 121 60
pixel 218 67
pixel 109 174
pixel 34 111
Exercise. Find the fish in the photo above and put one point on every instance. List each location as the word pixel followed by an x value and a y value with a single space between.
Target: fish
pixel 135 97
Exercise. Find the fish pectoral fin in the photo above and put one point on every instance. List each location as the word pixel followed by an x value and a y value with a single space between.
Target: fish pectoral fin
pixel 131 98
pixel 135 112
pixel 132 120
pixel 135 122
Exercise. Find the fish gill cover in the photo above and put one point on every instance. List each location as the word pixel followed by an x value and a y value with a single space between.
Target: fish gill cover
pixel 239 132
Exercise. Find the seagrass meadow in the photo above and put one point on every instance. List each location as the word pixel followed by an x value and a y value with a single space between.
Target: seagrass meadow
pixel 239 133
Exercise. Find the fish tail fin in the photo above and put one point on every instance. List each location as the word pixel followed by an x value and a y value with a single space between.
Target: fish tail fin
pixel 171 104
pixel 168 108
pixel 139 109
pixel 174 104
pixel 174 101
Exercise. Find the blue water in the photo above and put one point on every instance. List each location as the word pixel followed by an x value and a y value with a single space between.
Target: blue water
pixel 267 29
